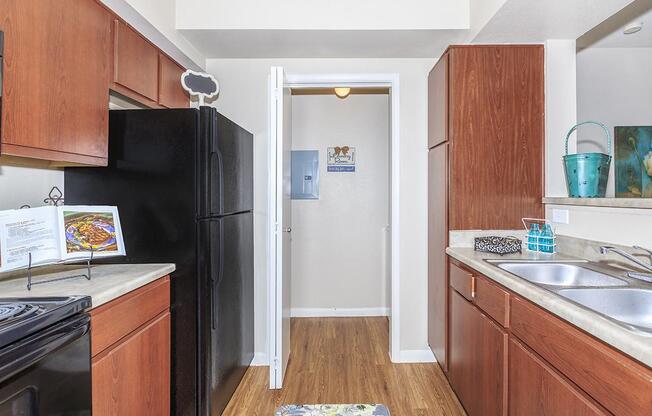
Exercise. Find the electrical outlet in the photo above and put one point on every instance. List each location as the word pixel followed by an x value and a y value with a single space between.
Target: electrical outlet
pixel 560 216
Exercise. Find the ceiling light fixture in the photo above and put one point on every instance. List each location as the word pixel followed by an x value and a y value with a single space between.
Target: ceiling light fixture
pixel 342 92
pixel 633 28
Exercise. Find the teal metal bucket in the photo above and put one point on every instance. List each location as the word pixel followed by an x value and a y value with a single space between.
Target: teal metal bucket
pixel 587 173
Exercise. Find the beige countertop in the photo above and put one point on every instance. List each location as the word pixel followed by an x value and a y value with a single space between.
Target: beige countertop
pixel 636 344
pixel 107 282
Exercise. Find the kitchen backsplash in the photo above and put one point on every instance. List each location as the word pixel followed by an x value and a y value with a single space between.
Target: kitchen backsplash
pixel 27 185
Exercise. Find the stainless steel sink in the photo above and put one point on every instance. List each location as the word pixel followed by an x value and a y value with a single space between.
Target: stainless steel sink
pixel 559 274
pixel 630 306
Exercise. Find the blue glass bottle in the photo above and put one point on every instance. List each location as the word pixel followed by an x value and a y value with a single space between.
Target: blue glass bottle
pixel 533 237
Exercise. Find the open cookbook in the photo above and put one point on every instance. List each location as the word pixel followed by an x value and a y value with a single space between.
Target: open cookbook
pixel 58 234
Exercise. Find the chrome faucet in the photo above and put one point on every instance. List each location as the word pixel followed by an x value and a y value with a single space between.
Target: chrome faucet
pixel 646 277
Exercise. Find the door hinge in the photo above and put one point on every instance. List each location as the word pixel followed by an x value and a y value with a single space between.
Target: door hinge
pixel 276 361
pixel 276 228
pixel 277 93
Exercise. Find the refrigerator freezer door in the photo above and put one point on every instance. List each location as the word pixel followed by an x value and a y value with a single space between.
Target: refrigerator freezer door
pixel 150 178
pixel 226 168
pixel 227 316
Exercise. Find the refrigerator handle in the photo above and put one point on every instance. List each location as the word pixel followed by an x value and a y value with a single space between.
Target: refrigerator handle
pixel 220 273
pixel 217 178
pixel 213 307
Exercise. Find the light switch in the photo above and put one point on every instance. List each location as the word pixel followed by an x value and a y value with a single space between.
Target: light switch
pixel 560 216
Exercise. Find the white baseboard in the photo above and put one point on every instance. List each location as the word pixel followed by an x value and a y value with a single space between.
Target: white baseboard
pixel 405 356
pixel 260 360
pixel 416 356
pixel 337 312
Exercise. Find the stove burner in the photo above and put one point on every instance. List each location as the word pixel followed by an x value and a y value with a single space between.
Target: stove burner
pixel 13 310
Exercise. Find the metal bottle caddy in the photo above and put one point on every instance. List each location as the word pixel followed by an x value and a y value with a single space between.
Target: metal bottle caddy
pixel 545 245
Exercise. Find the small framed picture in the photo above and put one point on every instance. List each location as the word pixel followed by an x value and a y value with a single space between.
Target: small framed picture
pixel 341 159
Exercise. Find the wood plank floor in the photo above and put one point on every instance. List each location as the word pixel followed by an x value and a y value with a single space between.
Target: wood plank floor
pixel 345 360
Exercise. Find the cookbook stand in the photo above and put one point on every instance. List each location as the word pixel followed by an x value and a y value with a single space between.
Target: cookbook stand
pixel 86 275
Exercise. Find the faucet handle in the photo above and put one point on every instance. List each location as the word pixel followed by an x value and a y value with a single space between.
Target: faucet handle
pixel 647 250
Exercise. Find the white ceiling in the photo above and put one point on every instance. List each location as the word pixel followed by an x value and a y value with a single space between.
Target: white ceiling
pixel 323 43
pixel 321 14
pixel 531 21
pixel 609 34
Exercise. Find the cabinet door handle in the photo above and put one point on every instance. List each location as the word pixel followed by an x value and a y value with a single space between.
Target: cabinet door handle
pixel 473 287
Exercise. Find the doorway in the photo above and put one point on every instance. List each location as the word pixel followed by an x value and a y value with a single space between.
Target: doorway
pixel 280 228
pixel 340 203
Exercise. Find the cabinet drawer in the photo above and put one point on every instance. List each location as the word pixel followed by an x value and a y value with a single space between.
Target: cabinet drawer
pixel 617 382
pixel 493 300
pixel 536 389
pixel 461 281
pixel 117 319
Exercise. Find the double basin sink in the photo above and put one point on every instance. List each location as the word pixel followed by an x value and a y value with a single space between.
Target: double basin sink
pixel 626 302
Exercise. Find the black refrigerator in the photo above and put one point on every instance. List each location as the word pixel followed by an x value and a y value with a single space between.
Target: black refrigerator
pixel 183 184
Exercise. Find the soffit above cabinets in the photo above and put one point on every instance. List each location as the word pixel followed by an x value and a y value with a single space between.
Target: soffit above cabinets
pixel 609 34
pixel 534 21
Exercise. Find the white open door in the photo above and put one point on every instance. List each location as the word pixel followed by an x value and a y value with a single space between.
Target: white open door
pixel 281 225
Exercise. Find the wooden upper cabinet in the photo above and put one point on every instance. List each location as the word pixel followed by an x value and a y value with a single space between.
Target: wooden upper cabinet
pixel 496 102
pixel 135 64
pixel 170 92
pixel 438 103
pixel 56 80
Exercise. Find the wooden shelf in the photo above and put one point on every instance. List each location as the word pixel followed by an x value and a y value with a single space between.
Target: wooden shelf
pixel 638 203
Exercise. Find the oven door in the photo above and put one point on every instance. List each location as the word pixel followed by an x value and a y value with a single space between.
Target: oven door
pixel 48 373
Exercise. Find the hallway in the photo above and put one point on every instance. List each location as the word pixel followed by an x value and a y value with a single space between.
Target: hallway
pixel 345 360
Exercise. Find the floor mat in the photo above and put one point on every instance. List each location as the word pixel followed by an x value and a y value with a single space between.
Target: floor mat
pixel 333 410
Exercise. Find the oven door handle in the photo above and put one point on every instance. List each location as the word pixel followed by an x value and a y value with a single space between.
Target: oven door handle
pixel 19 356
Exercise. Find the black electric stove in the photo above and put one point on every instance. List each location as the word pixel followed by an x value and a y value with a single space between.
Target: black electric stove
pixel 45 361
pixel 21 317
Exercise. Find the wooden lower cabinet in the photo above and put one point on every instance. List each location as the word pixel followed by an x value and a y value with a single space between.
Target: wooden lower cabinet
pixel 134 377
pixel 131 353
pixel 535 388
pixel 476 366
pixel 508 356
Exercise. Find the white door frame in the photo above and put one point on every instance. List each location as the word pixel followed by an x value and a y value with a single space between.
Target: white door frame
pixel 390 81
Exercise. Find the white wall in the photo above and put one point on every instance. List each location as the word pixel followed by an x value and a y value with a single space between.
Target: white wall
pixel 328 15
pixel 339 241
pixel 243 98
pixel 614 87
pixel 22 185
pixel 561 110
pixel 481 12
pixel 614 225
pixel 622 226
pixel 156 20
